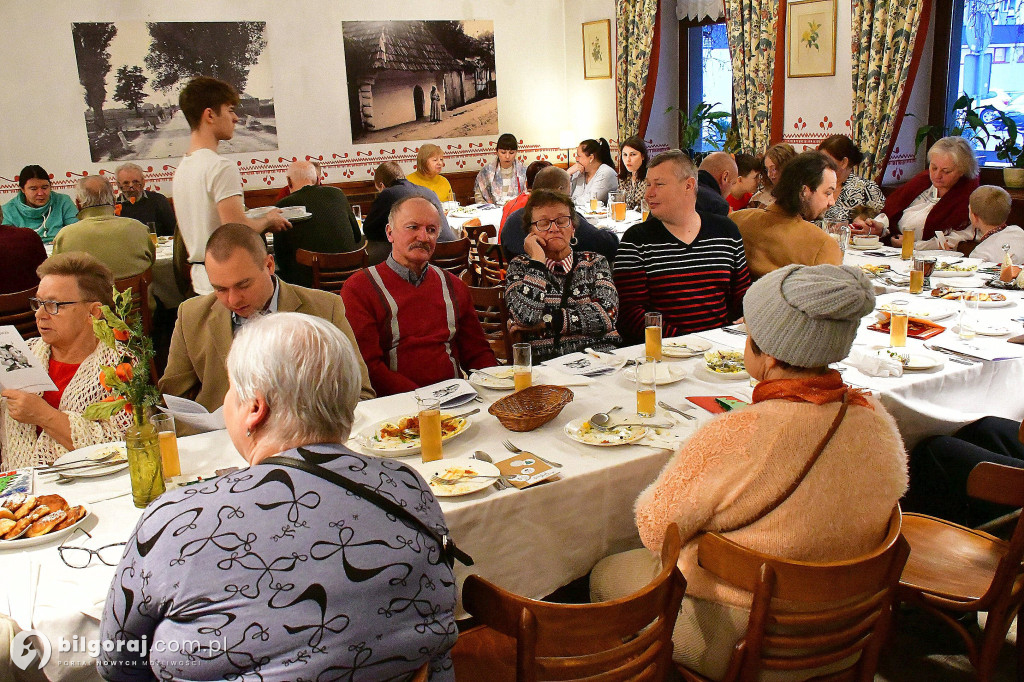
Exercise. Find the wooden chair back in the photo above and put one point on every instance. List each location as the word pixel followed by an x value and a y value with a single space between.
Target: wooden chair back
pixel 330 270
pixel 493 314
pixel 139 284
pixel 15 309
pixel 473 233
pixel 843 609
pixel 1001 484
pixel 492 263
pixel 625 639
pixel 452 256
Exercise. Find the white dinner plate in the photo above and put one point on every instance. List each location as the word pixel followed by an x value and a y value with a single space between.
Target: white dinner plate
pixel 870 247
pixel 400 446
pixel 23 542
pixel 926 309
pixel 456 467
pixel 954 273
pixel 684 347
pixel 299 217
pixel 496 378
pixel 581 431
pixel 92 452
pixel 919 361
pixel 986 330
pixel 465 212
pixel 667 372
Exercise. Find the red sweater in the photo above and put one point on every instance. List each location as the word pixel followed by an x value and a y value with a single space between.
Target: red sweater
pixel 950 213
pixel 413 336
pixel 21 252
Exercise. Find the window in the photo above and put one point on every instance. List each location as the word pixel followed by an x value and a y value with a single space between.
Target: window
pixel 709 71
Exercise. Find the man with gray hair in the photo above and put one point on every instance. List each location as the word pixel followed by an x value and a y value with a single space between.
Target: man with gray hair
pixel 332 228
pixel 144 205
pixel 122 244
pixel 688 266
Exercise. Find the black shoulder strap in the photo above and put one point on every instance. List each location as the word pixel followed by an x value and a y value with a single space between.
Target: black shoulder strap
pixel 449 551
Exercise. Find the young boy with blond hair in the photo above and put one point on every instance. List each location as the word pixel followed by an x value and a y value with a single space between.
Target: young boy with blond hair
pixel 989 207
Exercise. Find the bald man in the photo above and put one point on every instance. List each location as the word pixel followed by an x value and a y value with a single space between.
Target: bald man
pixel 332 228
pixel 714 178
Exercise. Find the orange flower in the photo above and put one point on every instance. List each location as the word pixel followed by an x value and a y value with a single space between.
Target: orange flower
pixel 110 399
pixel 124 371
pixel 103 382
pixel 121 335
pixel 117 209
pixel 128 408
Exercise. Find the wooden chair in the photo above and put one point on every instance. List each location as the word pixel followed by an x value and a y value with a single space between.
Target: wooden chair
pixel 452 256
pixel 15 309
pixel 139 284
pixel 473 233
pixel 955 570
pixel 625 639
pixel 330 270
pixel 492 263
pixel 844 611
pixel 493 314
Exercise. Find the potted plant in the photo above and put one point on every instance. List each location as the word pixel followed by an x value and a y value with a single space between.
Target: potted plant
pixel 1011 150
pixel 702 124
pixel 970 123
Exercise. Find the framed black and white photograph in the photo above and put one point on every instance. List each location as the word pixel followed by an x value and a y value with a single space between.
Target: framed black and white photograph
pixel 131 74
pixel 420 80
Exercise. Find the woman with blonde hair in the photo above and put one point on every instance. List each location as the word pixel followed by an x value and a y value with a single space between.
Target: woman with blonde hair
pixel 429 164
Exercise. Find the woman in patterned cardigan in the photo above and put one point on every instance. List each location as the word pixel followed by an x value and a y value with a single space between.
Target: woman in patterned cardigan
pixel 854 190
pixel 39 429
pixel 562 300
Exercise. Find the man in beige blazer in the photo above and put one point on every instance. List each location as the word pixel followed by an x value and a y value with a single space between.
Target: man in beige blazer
pixel 242 274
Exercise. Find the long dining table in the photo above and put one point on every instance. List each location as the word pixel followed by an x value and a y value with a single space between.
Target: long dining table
pixel 534 540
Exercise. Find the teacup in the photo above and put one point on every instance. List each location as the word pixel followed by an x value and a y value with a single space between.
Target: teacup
pixel 866 240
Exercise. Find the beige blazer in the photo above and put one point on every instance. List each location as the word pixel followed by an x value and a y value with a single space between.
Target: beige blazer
pixel 197 362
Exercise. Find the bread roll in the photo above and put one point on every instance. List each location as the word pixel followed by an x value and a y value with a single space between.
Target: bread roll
pixel 54 502
pixel 24 509
pixel 6 525
pixel 74 515
pixel 45 524
pixel 6 513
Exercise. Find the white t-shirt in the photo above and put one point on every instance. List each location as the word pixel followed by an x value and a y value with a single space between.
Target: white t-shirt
pixel 992 248
pixel 203 179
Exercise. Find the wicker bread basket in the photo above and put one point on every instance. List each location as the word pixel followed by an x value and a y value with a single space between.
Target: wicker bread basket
pixel 531 407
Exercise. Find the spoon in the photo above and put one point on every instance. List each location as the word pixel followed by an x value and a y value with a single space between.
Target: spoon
pixel 601 419
pixel 500 483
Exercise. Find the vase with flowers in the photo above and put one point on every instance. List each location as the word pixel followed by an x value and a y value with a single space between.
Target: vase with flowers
pixel 130 388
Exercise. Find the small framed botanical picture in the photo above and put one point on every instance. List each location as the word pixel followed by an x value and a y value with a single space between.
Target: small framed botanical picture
pixel 597 49
pixel 812 38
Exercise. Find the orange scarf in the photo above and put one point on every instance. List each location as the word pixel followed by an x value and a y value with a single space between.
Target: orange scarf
pixel 826 388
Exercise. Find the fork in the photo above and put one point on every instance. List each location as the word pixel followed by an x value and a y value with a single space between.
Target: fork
pixel 512 448
pixel 668 407
pixel 458 479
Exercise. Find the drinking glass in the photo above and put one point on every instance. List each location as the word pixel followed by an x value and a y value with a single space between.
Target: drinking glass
pixel 917 276
pixel 522 365
pixel 645 210
pixel 594 203
pixel 152 233
pixel 929 266
pixel 429 412
pixel 968 323
pixel 646 382
pixel 652 335
pixel 164 424
pixel 357 211
pixel 617 206
pixel 907 251
pixel 840 232
pixel 898 324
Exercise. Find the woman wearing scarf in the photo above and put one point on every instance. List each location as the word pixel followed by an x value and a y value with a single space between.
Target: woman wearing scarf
pixel 505 179
pixel 734 474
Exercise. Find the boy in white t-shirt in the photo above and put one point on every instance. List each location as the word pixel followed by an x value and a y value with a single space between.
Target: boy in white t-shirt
pixel 988 209
pixel 208 187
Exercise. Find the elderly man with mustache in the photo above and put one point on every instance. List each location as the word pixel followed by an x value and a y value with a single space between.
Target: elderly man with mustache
pixel 414 322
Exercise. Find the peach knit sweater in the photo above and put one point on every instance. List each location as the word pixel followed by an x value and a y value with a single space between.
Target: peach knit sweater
pixel 737 464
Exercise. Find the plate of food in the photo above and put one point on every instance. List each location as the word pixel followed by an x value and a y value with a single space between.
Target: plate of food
pixel 27 520
pixel 945 269
pixel 457 476
pixel 985 299
pixel 912 360
pixel 399 436
pixel 108 458
pixel 684 347
pixel 665 372
pixel 296 213
pixel 582 431
pixel 470 211
pixel 726 363
pixel 497 378
pixel 923 309
pixel 874 270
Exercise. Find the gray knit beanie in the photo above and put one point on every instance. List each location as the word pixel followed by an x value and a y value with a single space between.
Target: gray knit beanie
pixel 807 315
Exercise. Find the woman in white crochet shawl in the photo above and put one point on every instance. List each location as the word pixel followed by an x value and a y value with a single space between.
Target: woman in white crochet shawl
pixel 38 429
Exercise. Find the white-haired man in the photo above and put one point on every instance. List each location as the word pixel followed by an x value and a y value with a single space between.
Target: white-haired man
pixel 144 205
pixel 332 228
pixel 122 244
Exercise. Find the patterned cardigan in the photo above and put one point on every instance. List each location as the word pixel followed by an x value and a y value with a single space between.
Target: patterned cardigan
pixel 590 312
pixel 20 446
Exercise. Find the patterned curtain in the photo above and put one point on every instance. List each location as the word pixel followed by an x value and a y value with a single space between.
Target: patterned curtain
pixel 888 28
pixel 751 28
pixel 636 28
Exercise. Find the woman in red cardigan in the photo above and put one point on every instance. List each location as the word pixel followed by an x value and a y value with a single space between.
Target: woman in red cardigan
pixel 933 201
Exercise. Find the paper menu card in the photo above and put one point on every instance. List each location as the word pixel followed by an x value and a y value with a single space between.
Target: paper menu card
pixel 20 369
pixel 192 414
pixel 451 393
pixel 524 469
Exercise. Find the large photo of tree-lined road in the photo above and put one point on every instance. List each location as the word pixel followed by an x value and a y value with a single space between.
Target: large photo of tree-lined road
pixel 131 74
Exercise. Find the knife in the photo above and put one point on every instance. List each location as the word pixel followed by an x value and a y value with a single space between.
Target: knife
pixel 957 353
pixel 91 465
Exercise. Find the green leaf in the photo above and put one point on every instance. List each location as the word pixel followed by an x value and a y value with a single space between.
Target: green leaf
pixel 102 331
pixel 99 411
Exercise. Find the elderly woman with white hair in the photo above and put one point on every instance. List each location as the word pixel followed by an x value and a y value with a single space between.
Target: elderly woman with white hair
pixel 934 202
pixel 314 559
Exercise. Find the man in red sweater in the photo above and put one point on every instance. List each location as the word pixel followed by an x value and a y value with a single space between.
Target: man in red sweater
pixel 415 323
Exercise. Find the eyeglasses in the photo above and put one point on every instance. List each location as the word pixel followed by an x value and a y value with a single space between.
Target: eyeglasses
pixel 561 221
pixel 52 307
pixel 80 557
pixel 132 183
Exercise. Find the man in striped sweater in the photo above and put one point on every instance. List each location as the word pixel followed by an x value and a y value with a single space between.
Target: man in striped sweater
pixel 414 322
pixel 688 266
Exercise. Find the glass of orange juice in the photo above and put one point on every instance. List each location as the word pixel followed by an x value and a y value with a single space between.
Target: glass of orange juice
pixel 646 382
pixel 429 413
pixel 898 324
pixel 652 335
pixel 617 206
pixel 645 210
pixel 522 365
pixel 152 233
pixel 907 251
pixel 164 424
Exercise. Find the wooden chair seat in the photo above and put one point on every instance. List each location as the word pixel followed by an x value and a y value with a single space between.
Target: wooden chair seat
pixel 15 309
pixel 949 560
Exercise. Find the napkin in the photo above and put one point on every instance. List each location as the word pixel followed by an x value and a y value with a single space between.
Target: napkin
pixel 873 365
pixel 451 393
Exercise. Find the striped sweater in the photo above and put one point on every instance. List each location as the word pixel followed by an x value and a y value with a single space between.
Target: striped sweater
pixel 694 286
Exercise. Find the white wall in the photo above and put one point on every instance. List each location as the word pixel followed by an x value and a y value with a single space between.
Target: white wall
pixel 538 46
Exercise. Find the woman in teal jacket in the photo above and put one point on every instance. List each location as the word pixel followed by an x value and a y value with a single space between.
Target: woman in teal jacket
pixel 37 207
